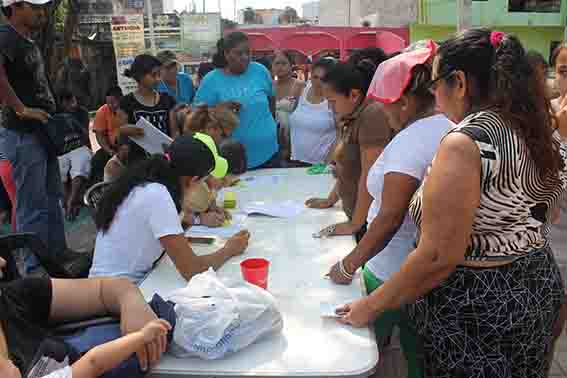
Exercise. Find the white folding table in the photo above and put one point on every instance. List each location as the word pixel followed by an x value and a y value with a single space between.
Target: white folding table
pixel 309 346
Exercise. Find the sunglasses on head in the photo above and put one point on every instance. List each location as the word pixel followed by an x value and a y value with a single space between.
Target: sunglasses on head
pixel 433 84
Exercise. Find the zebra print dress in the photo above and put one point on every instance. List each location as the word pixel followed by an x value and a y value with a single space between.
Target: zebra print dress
pixel 497 322
pixel 515 204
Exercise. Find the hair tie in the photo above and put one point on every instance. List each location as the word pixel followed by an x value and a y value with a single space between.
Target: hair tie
pixel 496 38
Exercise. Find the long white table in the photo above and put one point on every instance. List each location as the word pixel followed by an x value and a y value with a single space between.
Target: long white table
pixel 309 346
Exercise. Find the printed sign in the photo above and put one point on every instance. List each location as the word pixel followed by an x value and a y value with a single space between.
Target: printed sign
pixel 128 39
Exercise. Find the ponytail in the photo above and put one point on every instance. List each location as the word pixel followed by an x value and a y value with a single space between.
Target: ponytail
pixel 345 77
pixel 499 75
pixel 152 169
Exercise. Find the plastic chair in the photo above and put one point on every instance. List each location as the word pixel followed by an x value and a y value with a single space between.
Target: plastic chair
pixel 94 194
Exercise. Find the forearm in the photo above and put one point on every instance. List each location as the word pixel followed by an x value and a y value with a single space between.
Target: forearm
pixel 215 260
pixel 173 125
pixel 120 296
pixel 106 357
pixel 363 201
pixel 334 195
pixel 188 264
pixel 376 238
pixel 421 272
pixel 7 94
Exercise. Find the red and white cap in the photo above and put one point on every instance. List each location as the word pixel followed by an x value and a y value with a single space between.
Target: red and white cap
pixel 7 3
pixel 394 75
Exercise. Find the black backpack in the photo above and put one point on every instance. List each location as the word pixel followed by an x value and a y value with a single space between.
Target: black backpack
pixel 64 134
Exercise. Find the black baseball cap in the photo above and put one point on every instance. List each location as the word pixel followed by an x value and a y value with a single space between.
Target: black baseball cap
pixel 192 155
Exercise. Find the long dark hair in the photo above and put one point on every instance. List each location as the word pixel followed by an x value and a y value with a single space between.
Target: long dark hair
pixel 153 169
pixel 226 44
pixel 500 76
pixel 344 77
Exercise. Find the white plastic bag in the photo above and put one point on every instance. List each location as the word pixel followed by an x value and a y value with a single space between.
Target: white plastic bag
pixel 215 319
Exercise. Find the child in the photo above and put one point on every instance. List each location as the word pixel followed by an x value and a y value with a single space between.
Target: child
pixel 218 122
pixel 127 153
pixel 105 357
pixel 235 153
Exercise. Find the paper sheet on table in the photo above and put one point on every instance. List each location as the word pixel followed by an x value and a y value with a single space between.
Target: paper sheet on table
pixel 287 209
pixel 236 225
pixel 153 139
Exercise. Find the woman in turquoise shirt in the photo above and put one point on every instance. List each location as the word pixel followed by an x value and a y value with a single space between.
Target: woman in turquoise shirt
pixel 249 84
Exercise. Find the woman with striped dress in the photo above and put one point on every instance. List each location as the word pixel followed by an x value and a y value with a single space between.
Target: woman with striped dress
pixel 483 286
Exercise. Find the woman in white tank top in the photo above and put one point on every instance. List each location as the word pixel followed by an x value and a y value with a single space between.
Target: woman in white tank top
pixel 312 124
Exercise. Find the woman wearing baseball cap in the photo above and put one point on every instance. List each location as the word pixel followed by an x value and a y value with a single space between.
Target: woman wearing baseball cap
pixel 138 216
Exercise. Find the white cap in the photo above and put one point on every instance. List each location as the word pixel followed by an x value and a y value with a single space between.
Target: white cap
pixel 7 3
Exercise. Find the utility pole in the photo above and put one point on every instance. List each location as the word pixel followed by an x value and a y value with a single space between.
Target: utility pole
pixel 204 5
pixel 151 24
pixel 464 14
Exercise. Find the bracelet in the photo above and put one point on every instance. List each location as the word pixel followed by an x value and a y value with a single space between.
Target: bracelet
pixel 196 220
pixel 344 272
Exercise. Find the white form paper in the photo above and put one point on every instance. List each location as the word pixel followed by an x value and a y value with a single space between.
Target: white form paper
pixel 236 225
pixel 286 209
pixel 153 140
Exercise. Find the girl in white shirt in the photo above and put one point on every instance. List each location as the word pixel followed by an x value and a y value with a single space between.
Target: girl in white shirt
pixel 402 85
pixel 138 217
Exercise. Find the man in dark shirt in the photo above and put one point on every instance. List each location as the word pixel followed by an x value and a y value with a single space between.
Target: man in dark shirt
pixel 27 101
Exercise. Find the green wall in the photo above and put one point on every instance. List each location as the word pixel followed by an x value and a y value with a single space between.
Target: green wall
pixel 533 38
pixel 489 12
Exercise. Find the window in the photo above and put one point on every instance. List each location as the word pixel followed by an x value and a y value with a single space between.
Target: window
pixel 534 6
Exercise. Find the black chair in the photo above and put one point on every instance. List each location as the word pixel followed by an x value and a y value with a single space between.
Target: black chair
pixel 67 264
pixel 94 194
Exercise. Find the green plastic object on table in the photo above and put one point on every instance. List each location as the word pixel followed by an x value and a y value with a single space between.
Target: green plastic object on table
pixel 318 169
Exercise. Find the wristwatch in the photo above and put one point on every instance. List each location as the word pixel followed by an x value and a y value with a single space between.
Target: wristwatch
pixel 196 220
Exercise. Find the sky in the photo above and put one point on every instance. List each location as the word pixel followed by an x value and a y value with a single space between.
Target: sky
pixel 227 6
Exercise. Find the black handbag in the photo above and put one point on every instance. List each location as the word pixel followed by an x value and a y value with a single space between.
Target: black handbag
pixel 64 134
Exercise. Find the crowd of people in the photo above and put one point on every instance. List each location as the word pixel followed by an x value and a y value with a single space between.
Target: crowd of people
pixel 449 164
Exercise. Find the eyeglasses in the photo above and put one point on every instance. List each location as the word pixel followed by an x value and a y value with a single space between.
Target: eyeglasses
pixel 433 84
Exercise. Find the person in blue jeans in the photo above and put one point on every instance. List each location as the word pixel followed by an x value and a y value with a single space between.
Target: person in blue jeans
pixel 27 101
pixel 177 84
pixel 249 86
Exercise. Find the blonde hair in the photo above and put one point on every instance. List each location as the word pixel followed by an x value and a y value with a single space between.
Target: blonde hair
pixel 198 200
pixel 205 116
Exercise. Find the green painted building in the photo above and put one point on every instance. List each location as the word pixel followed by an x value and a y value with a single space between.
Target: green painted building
pixel 540 24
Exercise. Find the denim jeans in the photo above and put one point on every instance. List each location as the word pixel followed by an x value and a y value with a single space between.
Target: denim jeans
pixel 39 191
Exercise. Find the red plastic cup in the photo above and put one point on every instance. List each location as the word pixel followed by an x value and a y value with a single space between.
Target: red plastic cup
pixel 255 271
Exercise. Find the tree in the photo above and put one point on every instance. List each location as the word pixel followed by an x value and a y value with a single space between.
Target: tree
pixel 227 24
pixel 289 16
pixel 249 16
pixel 46 36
